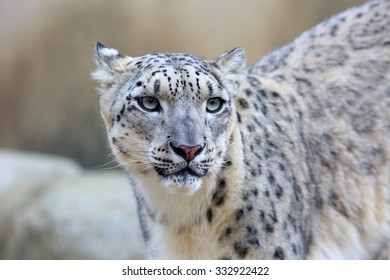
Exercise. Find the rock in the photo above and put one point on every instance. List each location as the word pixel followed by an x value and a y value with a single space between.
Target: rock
pixel 52 209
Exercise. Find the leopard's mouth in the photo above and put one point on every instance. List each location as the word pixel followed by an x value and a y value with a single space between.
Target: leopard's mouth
pixel 183 173
pixel 188 171
pixel 187 179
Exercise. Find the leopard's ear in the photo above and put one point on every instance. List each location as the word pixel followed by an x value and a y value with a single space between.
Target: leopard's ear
pixel 110 64
pixel 229 66
pixel 231 62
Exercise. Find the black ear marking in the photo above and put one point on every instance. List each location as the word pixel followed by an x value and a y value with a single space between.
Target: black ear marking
pixel 98 47
pixel 105 55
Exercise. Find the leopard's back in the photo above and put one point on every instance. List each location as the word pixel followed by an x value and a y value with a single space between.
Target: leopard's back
pixel 332 99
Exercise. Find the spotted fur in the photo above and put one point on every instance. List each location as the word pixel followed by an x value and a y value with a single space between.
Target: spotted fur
pixel 293 165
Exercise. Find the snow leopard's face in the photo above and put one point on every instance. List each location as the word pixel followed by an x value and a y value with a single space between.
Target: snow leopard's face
pixel 168 114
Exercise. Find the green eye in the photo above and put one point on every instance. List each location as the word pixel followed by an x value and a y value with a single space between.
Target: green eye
pixel 149 103
pixel 214 105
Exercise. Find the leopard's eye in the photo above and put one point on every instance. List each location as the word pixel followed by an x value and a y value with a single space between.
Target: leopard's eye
pixel 214 105
pixel 149 103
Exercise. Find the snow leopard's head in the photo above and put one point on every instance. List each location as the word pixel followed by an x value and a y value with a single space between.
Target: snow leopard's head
pixel 168 114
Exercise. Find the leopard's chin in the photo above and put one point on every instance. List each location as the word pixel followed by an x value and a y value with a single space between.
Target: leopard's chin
pixel 184 181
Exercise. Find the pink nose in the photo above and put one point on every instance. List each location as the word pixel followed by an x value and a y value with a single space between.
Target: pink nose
pixel 188 153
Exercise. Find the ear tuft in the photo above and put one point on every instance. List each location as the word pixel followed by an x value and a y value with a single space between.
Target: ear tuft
pixel 106 56
pixel 110 63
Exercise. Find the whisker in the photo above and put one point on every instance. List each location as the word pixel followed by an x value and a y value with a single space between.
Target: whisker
pixel 110 168
pixel 113 160
pixel 228 147
pixel 105 164
pixel 144 169
pixel 137 144
pixel 137 156
pixel 136 162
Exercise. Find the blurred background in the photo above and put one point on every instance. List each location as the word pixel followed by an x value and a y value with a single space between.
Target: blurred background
pixel 47 100
pixel 48 103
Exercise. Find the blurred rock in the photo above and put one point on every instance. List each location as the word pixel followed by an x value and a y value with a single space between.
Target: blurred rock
pixel 52 209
